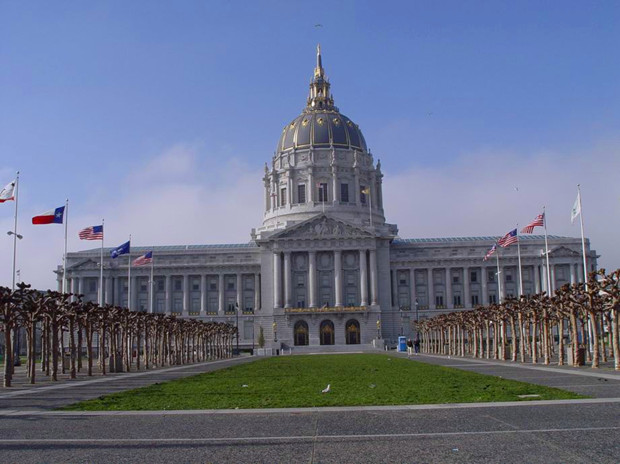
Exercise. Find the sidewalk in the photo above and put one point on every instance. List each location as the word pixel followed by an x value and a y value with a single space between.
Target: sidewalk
pixel 47 395
pixel 597 383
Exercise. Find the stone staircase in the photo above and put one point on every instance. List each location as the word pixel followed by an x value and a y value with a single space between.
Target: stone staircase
pixel 331 349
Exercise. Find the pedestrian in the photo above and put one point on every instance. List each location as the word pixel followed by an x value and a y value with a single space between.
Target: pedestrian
pixel 409 347
pixel 416 345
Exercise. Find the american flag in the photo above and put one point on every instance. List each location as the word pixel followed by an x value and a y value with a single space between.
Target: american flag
pixel 539 221
pixel 508 239
pixel 490 252
pixel 92 233
pixel 143 260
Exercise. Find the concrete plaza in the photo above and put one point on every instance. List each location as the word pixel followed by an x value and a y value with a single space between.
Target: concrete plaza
pixel 540 431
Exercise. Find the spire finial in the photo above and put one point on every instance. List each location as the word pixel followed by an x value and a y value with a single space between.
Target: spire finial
pixel 320 97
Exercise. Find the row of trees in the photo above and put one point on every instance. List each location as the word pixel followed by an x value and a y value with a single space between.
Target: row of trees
pixel 535 327
pixel 114 339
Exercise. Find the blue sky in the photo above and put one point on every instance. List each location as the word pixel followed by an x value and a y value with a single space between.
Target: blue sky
pixel 151 113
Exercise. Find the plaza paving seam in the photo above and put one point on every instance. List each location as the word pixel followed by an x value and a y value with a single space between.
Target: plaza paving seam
pixel 114 441
pixel 534 367
pixel 404 407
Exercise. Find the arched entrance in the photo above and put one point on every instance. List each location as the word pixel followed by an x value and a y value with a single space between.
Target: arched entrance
pixel 352 332
pixel 327 333
pixel 301 333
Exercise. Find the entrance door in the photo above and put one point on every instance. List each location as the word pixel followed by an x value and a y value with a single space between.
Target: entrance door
pixel 352 329
pixel 327 333
pixel 301 333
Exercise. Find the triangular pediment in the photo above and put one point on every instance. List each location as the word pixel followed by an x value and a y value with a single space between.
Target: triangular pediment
pixel 323 227
pixel 563 252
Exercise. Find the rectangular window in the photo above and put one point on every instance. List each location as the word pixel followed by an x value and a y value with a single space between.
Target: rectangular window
pixel 457 300
pixel 160 306
pixel 301 193
pixel 213 305
pixel 344 193
pixel 283 196
pixel 473 277
pixel 508 277
pixel 195 305
pixel 491 277
pixel 455 279
pixel 362 195
pixel 230 285
pixel 249 304
pixel 142 305
pixel 248 330
pixel 322 192
pixel 159 284
pixel 178 285
pixel 143 286
pixel 92 285
pixel 439 300
pixel 301 302
pixel 301 281
pixel 492 298
pixel 474 300
pixel 212 286
pixel 178 305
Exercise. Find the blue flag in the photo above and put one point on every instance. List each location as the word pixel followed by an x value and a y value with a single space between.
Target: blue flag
pixel 120 250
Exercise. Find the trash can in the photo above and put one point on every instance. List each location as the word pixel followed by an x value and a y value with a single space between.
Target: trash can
pixel 402 344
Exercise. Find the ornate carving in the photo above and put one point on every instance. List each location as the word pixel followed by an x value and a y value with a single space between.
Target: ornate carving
pixel 325 227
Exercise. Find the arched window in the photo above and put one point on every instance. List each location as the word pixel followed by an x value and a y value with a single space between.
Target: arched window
pixel 352 332
pixel 327 333
pixel 301 333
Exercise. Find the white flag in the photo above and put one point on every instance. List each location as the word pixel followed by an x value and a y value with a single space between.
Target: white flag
pixel 7 193
pixel 576 211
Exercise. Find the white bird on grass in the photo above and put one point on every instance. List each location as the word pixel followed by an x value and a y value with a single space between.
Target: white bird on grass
pixel 326 389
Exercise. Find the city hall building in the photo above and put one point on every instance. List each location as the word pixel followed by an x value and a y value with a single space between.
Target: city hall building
pixel 325 268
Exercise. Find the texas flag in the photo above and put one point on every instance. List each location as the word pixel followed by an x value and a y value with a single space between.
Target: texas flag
pixel 53 216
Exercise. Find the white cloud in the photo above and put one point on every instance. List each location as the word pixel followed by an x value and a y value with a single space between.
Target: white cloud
pixel 185 196
pixel 487 193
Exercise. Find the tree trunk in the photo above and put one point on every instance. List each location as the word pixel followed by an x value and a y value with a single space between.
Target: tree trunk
pixel 8 355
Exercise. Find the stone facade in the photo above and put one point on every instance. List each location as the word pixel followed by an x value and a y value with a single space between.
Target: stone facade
pixel 325 268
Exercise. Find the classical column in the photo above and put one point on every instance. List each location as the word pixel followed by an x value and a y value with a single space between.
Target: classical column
pixel 133 297
pixel 484 280
pixel 185 295
pixel 338 276
pixel 118 300
pixel 374 283
pixel 543 276
pixel 394 287
pixel 80 288
pixel 466 289
pixel 449 299
pixel 312 278
pixel 431 289
pixel 256 291
pixel 536 272
pixel 277 281
pixel 240 292
pixel 363 278
pixel 73 288
pixel 311 187
pixel 552 286
pixel 412 294
pixel 109 290
pixel 573 275
pixel 221 292
pixel 168 296
pixel 288 291
pixel 203 293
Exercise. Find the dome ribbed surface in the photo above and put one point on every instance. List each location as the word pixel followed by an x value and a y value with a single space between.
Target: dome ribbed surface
pixel 321 129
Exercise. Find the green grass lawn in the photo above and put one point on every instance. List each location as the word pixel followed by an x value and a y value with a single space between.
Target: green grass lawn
pixel 297 381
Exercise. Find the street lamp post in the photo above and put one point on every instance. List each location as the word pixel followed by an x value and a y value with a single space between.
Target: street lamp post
pixel 237 325
pixel 16 347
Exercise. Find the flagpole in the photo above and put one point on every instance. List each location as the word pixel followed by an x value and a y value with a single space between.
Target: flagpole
pixel 519 256
pixel 585 266
pixel 370 205
pixel 547 253
pixel 499 278
pixel 64 258
pixel 101 265
pixel 129 275
pixel 15 229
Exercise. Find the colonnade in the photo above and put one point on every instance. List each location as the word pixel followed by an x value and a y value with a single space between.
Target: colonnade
pixel 537 281
pixel 282 274
pixel 115 291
